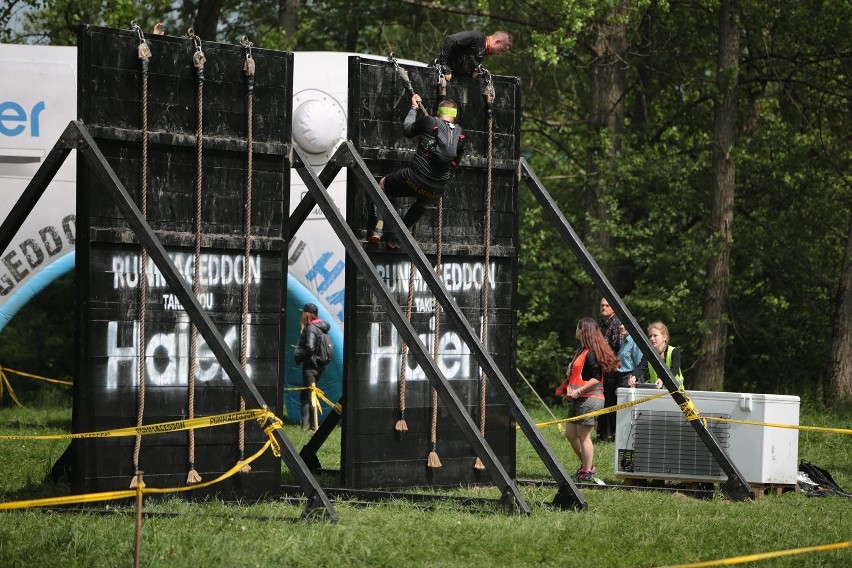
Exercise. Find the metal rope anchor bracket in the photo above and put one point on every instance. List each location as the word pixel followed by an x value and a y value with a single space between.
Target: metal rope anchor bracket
pixel 198 58
pixel 249 64
pixel 143 51
pixel 488 92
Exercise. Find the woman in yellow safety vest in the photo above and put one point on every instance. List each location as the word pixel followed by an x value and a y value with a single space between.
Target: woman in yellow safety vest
pixel 583 390
pixel 658 335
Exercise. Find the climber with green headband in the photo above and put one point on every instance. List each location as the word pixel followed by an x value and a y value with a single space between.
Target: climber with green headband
pixel 439 149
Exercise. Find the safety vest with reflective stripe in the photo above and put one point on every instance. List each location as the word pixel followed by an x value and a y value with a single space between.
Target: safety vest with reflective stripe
pixel 652 374
pixel 575 378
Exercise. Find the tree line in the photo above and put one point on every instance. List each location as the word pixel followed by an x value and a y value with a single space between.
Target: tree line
pixel 701 149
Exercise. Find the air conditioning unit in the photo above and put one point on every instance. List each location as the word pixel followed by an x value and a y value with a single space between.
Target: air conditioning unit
pixel 653 440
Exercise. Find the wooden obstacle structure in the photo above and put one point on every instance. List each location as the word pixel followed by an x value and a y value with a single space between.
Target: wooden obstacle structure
pixel 171 154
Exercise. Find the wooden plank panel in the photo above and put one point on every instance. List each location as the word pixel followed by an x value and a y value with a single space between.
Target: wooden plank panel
pixel 374 455
pixel 106 393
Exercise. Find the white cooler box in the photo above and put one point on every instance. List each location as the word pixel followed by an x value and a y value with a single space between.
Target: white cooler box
pixel 653 440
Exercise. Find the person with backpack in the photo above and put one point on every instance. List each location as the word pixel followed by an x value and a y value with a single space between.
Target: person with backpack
pixel 440 148
pixel 313 351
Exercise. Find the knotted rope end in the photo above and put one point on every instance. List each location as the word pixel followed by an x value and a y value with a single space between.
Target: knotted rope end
pixel 192 477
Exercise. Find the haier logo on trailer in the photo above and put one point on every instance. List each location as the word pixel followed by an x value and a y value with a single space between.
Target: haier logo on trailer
pixel 15 120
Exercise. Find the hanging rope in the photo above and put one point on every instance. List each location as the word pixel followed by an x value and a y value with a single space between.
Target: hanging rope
pixel 249 71
pixel 144 54
pixel 488 94
pixel 442 84
pixel 198 60
pixel 403 75
pixel 434 461
pixel 401 424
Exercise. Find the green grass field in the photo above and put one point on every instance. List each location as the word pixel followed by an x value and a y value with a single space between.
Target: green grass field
pixel 620 528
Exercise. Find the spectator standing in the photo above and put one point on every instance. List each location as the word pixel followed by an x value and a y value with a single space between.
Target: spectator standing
pixel 584 391
pixel 313 331
pixel 629 357
pixel 658 335
pixel 609 325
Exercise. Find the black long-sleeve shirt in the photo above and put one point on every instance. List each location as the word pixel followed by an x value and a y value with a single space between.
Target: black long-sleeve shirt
pixel 463 52
pixel 431 174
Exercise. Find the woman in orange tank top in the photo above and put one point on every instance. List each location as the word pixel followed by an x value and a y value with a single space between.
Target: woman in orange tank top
pixel 584 392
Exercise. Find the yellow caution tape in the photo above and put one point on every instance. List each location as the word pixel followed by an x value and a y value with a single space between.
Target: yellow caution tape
pixel 790 426
pixel 4 380
pixel 766 555
pixel 31 376
pixel 113 495
pixel 689 410
pixel 317 392
pixel 606 410
pixel 179 425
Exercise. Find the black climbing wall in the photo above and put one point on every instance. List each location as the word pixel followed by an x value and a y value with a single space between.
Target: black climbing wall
pixel 373 454
pixel 105 393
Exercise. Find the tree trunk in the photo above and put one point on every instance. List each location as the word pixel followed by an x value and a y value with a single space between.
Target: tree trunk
pixel 288 17
pixel 353 17
pixel 607 86
pixel 711 364
pixel 206 20
pixel 839 390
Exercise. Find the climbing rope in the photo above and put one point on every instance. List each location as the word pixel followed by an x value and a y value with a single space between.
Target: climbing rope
pixel 401 424
pixel 144 54
pixel 442 84
pixel 434 461
pixel 198 60
pixel 488 94
pixel 403 75
pixel 249 71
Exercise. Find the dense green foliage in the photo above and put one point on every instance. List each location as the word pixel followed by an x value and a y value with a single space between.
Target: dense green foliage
pixel 654 178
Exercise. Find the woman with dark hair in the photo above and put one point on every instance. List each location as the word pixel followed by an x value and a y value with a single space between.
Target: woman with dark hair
pixel 584 391
pixel 313 331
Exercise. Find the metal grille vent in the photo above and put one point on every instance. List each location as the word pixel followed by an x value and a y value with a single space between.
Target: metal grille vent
pixel 665 443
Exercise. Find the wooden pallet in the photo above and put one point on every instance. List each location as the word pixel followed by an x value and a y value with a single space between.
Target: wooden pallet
pixel 760 489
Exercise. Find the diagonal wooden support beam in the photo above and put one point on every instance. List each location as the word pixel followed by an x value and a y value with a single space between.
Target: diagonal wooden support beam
pixel 568 495
pixel 735 488
pixel 318 503
pixel 511 499
pixel 307 204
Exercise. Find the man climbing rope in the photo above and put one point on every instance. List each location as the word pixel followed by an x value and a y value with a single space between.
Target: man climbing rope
pixel 440 148
pixel 464 52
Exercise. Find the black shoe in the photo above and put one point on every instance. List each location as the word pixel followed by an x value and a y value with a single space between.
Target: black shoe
pixel 392 244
